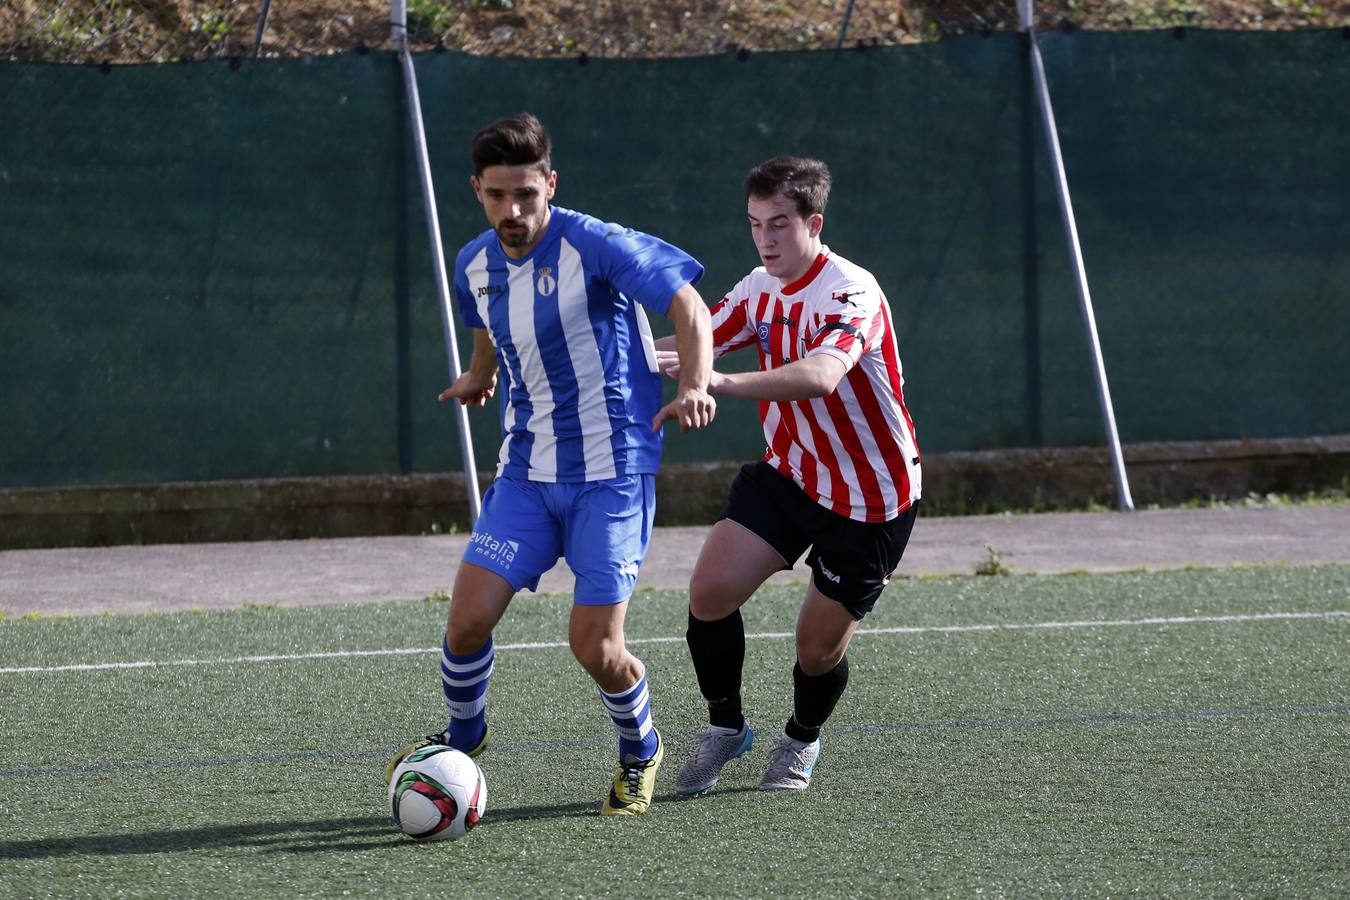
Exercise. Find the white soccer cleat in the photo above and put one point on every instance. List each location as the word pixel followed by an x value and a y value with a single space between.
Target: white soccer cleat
pixel 790 765
pixel 716 747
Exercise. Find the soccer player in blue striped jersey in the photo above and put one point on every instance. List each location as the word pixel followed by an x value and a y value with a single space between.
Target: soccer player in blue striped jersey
pixel 556 300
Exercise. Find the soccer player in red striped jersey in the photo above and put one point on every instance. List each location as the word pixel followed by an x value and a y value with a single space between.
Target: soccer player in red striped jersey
pixel 839 481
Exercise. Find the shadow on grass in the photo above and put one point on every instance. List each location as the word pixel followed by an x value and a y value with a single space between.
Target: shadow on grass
pixel 708 797
pixel 493 818
pixel 266 835
pixel 322 836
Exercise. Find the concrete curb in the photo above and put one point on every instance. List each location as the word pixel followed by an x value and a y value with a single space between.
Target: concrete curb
pixel 93 580
pixel 689 494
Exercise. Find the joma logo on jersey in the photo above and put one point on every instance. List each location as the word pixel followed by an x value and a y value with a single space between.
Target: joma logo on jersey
pixel 488 290
pixel 499 551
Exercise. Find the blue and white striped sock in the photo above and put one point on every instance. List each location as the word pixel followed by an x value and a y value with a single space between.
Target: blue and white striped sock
pixel 464 680
pixel 631 711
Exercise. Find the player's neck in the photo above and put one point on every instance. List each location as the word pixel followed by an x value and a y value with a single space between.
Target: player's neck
pixel 809 260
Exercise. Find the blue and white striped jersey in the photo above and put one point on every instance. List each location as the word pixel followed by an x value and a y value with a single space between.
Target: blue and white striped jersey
pixel 577 368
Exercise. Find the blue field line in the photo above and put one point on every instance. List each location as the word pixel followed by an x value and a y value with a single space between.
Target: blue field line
pixel 546 746
pixel 1094 719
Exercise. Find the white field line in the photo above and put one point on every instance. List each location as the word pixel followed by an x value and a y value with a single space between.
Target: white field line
pixel 763 635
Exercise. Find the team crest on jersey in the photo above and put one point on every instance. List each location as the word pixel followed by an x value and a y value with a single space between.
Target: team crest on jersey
pixel 762 329
pixel 546 283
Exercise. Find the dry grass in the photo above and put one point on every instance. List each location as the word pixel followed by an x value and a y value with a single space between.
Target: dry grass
pixel 165 30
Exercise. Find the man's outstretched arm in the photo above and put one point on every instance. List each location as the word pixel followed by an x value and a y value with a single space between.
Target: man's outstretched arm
pixel 693 406
pixel 814 376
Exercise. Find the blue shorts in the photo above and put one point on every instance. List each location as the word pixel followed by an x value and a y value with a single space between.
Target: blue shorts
pixel 602 529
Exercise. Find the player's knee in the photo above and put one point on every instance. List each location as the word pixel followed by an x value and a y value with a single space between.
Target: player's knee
pixel 601 658
pixel 465 638
pixel 709 599
pixel 817 657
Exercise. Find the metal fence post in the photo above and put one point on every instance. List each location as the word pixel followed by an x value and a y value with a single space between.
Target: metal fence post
pixel 262 26
pixel 398 21
pixel 843 28
pixel 1125 501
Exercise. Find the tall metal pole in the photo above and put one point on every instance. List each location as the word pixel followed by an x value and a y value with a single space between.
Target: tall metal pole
pixel 262 26
pixel 399 33
pixel 1126 502
pixel 843 29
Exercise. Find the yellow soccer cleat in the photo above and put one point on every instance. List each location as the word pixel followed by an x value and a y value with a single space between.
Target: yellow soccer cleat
pixel 634 784
pixel 427 742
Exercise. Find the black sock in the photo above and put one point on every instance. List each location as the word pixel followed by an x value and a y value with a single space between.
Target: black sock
pixel 718 651
pixel 813 699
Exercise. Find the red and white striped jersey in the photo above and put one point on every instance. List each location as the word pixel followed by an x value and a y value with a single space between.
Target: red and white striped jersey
pixel 854 451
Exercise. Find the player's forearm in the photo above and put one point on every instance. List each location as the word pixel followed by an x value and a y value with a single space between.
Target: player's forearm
pixel 483 363
pixel 815 376
pixel 693 338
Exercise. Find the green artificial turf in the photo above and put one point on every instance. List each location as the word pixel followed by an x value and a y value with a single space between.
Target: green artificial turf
pixel 1167 758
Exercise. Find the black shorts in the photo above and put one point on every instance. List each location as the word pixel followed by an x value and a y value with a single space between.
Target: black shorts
pixel 851 561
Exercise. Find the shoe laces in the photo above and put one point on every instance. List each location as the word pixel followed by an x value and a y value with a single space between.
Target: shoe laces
pixel 710 739
pixel 632 774
pixel 785 757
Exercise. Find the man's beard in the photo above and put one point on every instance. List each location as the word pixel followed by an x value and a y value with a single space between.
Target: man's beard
pixel 520 238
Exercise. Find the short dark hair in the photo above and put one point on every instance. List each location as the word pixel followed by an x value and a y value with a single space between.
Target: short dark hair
pixel 519 140
pixel 806 182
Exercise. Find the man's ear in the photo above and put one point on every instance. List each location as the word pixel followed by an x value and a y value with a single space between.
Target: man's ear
pixel 815 223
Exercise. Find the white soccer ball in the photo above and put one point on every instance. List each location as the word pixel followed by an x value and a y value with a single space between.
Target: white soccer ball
pixel 437 794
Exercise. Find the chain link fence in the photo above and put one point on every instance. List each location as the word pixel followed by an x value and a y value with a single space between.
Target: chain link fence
pixel 142 31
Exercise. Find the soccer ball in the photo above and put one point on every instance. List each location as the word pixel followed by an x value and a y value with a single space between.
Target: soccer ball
pixel 437 794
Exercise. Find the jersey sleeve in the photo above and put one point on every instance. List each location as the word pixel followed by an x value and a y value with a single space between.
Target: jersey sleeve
pixel 643 267
pixel 731 323
pixel 844 321
pixel 468 306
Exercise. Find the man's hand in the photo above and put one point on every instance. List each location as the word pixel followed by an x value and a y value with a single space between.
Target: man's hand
pixel 479 382
pixel 668 361
pixel 471 389
pixel 692 407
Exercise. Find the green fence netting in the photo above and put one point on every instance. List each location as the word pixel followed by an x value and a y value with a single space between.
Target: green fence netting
pixel 221 271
